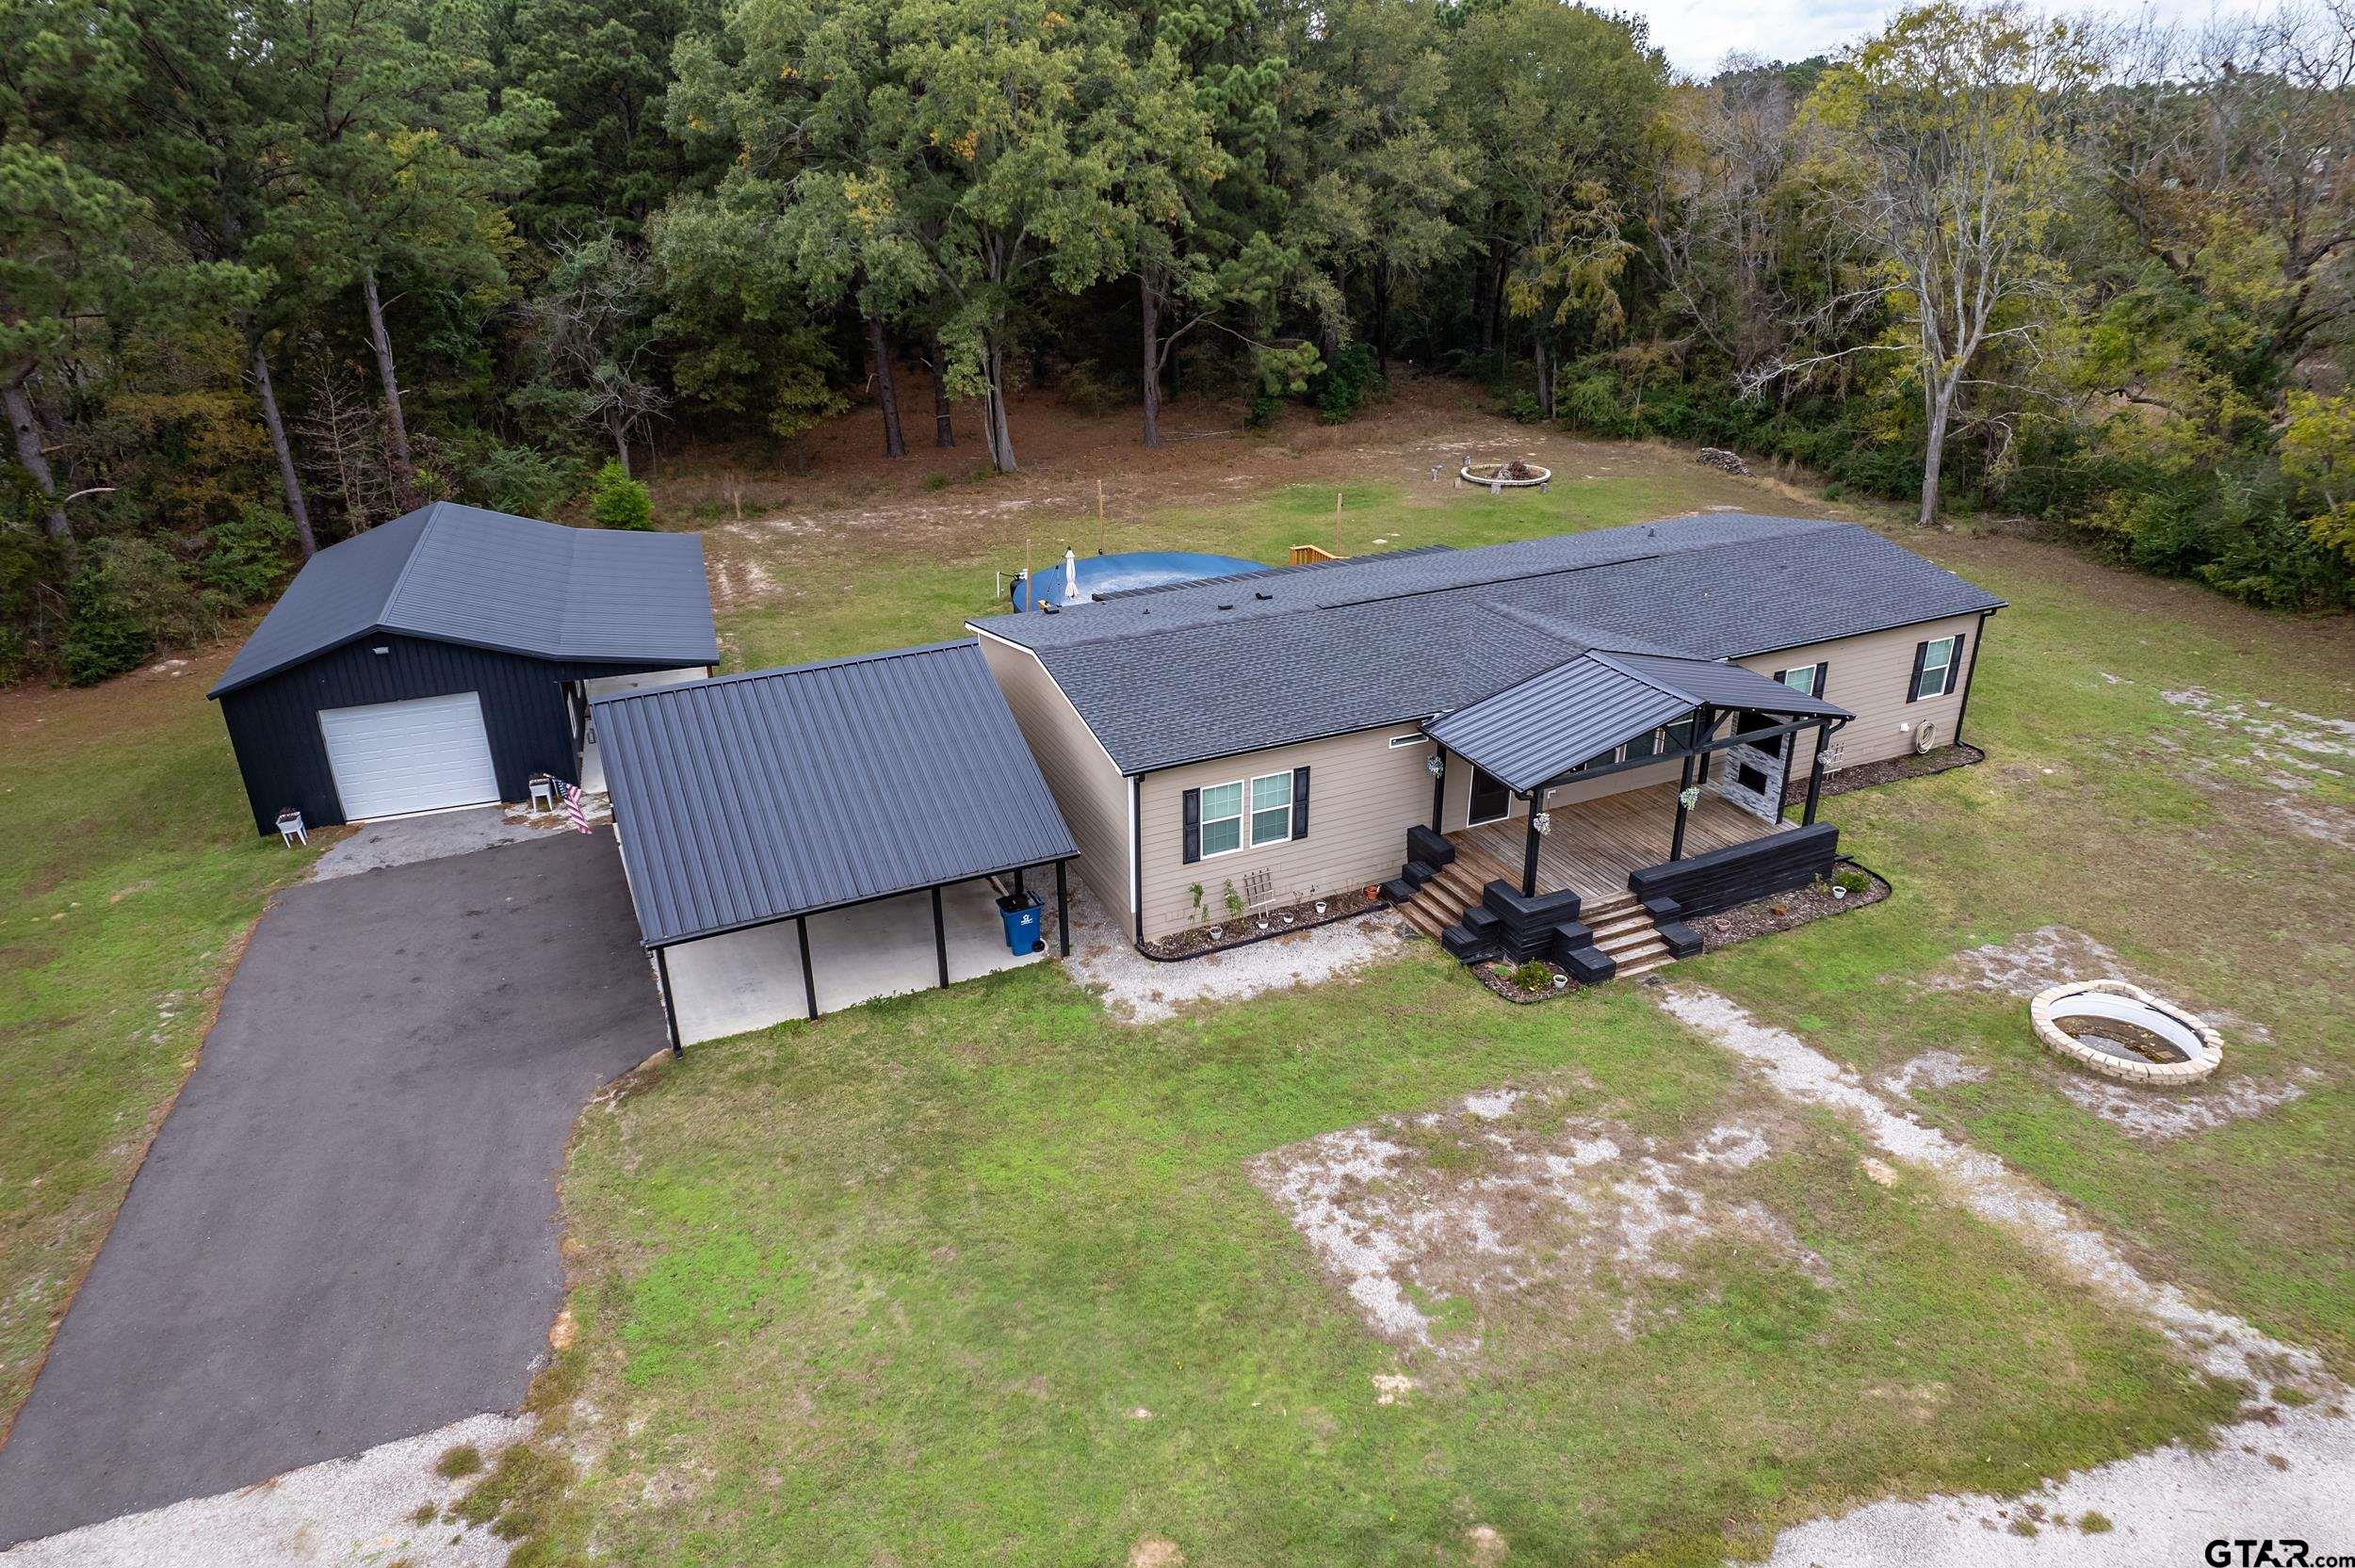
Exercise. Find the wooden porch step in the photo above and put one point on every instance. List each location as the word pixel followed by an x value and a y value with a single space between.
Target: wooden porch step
pixel 1419 913
pixel 1647 966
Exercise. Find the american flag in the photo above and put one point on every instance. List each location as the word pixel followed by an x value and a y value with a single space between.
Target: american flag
pixel 575 807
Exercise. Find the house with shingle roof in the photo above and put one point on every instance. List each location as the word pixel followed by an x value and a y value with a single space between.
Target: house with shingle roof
pixel 1567 746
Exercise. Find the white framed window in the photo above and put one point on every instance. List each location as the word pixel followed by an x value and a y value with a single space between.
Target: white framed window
pixel 1938 665
pixel 1270 808
pixel 1221 818
pixel 1807 677
pixel 1399 742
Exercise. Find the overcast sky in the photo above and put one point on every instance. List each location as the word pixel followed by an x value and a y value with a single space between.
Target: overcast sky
pixel 1697 34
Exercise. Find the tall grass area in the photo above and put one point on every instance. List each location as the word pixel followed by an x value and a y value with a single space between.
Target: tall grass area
pixel 129 875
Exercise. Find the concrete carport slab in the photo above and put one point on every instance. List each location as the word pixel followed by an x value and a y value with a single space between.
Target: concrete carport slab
pixel 749 979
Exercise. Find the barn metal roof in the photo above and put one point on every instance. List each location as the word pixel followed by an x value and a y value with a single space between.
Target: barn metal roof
pixel 1540 728
pixel 1216 668
pixel 490 580
pixel 757 796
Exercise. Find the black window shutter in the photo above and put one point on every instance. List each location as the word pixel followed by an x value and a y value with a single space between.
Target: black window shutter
pixel 1953 665
pixel 1823 675
pixel 1913 681
pixel 1193 826
pixel 1300 802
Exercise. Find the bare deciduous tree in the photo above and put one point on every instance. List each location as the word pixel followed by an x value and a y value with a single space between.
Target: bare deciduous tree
pixel 590 332
pixel 1946 150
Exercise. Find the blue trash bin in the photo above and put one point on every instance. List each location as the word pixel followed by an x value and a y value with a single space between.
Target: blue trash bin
pixel 1021 918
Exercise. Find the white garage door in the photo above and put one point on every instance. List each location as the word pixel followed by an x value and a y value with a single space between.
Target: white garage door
pixel 418 756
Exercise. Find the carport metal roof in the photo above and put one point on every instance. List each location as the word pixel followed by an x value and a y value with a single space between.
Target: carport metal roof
pixel 488 579
pixel 1538 729
pixel 760 797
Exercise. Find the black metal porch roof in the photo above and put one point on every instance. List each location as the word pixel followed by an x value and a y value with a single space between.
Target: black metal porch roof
pixel 1543 727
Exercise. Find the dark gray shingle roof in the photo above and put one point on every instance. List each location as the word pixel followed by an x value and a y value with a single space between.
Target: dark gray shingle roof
pixel 490 580
pixel 1575 712
pixel 756 797
pixel 1399 639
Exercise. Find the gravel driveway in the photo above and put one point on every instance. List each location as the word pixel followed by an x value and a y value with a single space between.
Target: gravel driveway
pixel 345 1231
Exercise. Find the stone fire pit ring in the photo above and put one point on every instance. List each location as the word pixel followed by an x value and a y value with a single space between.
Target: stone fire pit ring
pixel 2201 1048
pixel 1491 475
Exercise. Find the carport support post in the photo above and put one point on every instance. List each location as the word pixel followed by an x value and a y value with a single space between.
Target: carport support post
pixel 940 939
pixel 670 1012
pixel 1063 911
pixel 809 976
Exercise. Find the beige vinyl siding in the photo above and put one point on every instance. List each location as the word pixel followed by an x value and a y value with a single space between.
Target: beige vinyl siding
pixel 1362 797
pixel 1869 676
pixel 1088 789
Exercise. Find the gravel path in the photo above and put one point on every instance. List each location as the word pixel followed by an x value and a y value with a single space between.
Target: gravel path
pixel 1146 991
pixel 361 1509
pixel 2286 1470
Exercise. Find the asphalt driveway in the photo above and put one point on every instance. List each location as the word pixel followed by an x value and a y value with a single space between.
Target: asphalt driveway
pixel 345 1231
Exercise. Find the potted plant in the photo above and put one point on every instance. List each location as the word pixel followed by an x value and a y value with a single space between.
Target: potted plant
pixel 1320 906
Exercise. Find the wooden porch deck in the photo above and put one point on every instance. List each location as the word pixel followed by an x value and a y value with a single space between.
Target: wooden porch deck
pixel 1596 844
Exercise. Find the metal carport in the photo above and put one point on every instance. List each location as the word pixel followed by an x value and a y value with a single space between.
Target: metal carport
pixel 790 795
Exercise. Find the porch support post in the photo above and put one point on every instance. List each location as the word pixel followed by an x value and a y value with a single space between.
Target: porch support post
pixel 1816 774
pixel 940 938
pixel 1528 850
pixel 1676 840
pixel 1063 911
pixel 670 1012
pixel 1705 729
pixel 809 976
pixel 1439 791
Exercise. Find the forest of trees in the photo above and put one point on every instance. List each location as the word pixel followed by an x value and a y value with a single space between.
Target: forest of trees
pixel 273 271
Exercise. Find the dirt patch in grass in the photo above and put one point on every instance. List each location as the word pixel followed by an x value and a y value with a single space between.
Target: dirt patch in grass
pixel 1428 1222
pixel 2057 955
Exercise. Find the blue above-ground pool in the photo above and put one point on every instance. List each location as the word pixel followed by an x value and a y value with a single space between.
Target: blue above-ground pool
pixel 1132 569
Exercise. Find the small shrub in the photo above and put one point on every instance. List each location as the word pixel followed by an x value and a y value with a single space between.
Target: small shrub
pixel 617 501
pixel 1535 975
pixel 524 480
pixel 1347 384
pixel 1084 390
pixel 1853 882
pixel 102 637
pixel 246 558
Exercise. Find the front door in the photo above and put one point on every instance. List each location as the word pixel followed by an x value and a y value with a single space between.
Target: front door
pixel 1750 775
pixel 1490 798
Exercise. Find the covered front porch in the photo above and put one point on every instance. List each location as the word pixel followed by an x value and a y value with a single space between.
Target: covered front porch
pixel 1593 848
pixel 1577 848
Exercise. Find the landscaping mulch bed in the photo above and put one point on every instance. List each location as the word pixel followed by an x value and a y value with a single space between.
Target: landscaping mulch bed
pixel 1785 911
pixel 1864 775
pixel 1244 928
pixel 1498 977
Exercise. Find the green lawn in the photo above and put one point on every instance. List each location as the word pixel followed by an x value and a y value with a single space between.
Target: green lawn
pixel 895 1286
pixel 129 876
pixel 891 1287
